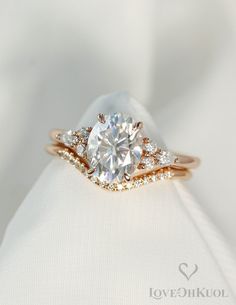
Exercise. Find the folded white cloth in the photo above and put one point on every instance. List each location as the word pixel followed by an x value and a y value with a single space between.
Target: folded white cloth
pixel 72 243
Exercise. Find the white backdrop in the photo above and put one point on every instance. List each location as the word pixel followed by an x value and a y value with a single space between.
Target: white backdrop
pixel 176 57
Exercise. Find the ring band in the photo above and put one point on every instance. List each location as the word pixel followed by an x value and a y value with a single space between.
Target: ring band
pixel 116 155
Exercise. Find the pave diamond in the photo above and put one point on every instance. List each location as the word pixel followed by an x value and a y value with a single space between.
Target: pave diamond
pixel 80 149
pixel 165 158
pixel 149 162
pixel 68 138
pixel 114 148
pixel 84 133
pixel 150 147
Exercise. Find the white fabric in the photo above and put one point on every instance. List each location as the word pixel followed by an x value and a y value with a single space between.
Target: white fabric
pixel 177 57
pixel 73 243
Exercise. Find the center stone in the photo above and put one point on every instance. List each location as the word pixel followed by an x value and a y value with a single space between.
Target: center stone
pixel 114 148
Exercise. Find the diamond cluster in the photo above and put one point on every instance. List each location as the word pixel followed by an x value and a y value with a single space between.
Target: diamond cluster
pixel 76 139
pixel 110 153
pixel 154 156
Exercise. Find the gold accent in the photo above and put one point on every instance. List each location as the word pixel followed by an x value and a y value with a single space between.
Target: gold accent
pixel 91 171
pixel 138 125
pixel 127 177
pixel 101 118
pixel 135 182
pixel 146 140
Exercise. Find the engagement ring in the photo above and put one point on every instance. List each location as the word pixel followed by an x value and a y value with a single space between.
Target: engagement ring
pixel 116 154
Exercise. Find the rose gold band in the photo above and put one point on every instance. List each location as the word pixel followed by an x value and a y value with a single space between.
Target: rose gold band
pixel 138 179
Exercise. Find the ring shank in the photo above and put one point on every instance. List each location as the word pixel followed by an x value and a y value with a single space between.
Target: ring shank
pixel 186 161
pixel 56 149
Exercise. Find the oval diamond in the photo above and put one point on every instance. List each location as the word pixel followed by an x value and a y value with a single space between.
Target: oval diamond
pixel 114 148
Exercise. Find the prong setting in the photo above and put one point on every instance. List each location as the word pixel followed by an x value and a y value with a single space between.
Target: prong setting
pixel 101 118
pixel 146 140
pixel 138 126
pixel 91 171
pixel 127 177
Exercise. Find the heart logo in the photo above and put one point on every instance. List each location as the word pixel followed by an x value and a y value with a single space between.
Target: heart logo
pixel 184 269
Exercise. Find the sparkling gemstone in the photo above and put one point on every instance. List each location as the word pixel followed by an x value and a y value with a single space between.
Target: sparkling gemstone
pixel 138 182
pixel 145 180
pixel 154 178
pixel 68 138
pixel 84 133
pixel 114 148
pixel 165 158
pixel 149 162
pixel 150 147
pixel 119 187
pixel 129 185
pixel 80 149
pixel 162 176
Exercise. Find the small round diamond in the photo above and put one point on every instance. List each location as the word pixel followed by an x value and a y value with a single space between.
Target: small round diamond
pixel 84 133
pixel 150 147
pixel 119 187
pixel 154 178
pixel 138 182
pixel 145 180
pixel 149 162
pixel 68 138
pixel 165 158
pixel 129 185
pixel 80 149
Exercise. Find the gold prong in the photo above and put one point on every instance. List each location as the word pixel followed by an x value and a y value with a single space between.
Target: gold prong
pixel 101 118
pixel 138 125
pixel 55 134
pixel 141 166
pixel 91 171
pixel 127 177
pixel 146 140
pixel 136 129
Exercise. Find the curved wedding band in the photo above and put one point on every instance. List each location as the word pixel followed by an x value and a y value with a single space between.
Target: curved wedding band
pixel 116 155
